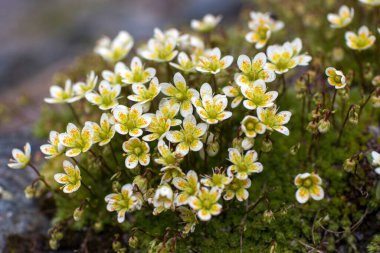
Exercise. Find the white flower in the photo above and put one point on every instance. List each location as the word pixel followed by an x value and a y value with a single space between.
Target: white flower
pixel 259 35
pixel 78 141
pixel 159 51
pixel 130 120
pixel 137 153
pixel 71 179
pixel 208 23
pixel 376 161
pixel 184 63
pixel 371 2
pixel 243 165
pixel 143 95
pixel 137 74
pixel 361 41
pixel 211 109
pixel 234 92
pixel 343 18
pixel 211 61
pixel 60 95
pixel 285 57
pixel 188 138
pixel 309 185
pixel 253 70
pixel 159 126
pixel 81 88
pixel 265 18
pixel 180 94
pixel 114 77
pixel 107 97
pixel 122 202
pixel 116 49
pixel 54 148
pixel 20 159
pixel 256 96
pixel 163 197
pixel 273 120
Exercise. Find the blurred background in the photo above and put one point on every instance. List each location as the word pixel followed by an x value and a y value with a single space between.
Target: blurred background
pixel 39 38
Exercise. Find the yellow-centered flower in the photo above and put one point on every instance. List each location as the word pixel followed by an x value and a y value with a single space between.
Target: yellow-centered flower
pixel 309 185
pixel 256 95
pixel 210 108
pixel 335 78
pixel 137 153
pixel 238 188
pixel 71 179
pixel 206 203
pixel 211 61
pixel 185 64
pixel 75 140
pixel 207 24
pixel 20 159
pixel 361 41
pixel 188 138
pixel 115 50
pixel 130 120
pixel 137 74
pixel 343 18
pixel 189 186
pixel 233 91
pixel 61 95
pixel 123 202
pixel 82 88
pixel 273 120
pixel 252 126
pixel 159 126
pixel 243 165
pixel 143 95
pixel 180 93
pixel 104 132
pixel 253 70
pixel 107 97
pixel 54 148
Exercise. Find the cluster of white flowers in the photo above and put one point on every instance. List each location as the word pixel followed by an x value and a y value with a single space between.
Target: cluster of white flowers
pixel 171 121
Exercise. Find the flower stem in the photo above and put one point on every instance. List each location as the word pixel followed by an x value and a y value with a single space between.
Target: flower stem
pixel 88 189
pixel 113 154
pixel 40 177
pixel 74 113
pixel 344 124
pixel 214 83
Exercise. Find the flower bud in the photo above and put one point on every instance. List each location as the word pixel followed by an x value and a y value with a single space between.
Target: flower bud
pixel 344 94
pixel 376 81
pixel 29 192
pixel 349 77
pixel 248 143
pixel 368 73
pixel 116 186
pixel 133 242
pixel 375 101
pixel 294 149
pixel 53 244
pixel 338 54
pixel 141 182
pixel 324 126
pixel 98 226
pixel 266 145
pixel 312 127
pixel 78 212
pixel 117 246
pixel 212 149
pixel 268 216
pixel 349 165
pixel 353 115
pixel 237 143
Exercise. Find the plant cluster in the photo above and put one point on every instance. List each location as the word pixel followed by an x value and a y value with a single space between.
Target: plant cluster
pixel 188 133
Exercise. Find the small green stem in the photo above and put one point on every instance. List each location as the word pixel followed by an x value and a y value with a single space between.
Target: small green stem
pixel 40 177
pixel 74 113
